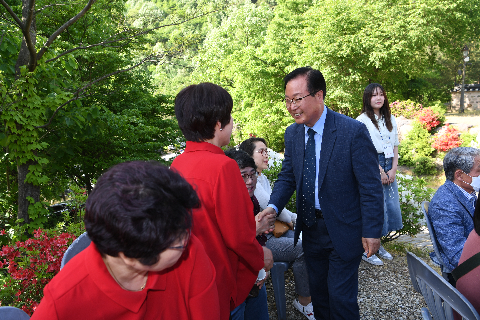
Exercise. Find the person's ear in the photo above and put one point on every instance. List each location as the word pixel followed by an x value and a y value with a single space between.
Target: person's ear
pixel 131 262
pixel 319 95
pixel 218 126
pixel 458 175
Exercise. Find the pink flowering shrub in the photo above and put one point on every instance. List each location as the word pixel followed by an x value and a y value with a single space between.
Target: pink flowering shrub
pixel 408 108
pixel 447 138
pixel 428 118
pixel 30 265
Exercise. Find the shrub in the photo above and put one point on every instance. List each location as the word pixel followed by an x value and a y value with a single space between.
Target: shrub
pixel 447 138
pixel 428 118
pixel 408 108
pixel 439 108
pixel 412 192
pixel 469 140
pixel 424 166
pixel 416 144
pixel 30 265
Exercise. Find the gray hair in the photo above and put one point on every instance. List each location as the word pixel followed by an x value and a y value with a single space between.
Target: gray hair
pixel 459 158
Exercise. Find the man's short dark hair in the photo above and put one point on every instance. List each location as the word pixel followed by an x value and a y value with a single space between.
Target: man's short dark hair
pixel 199 107
pixel 462 158
pixel 315 79
pixel 139 208
pixel 242 158
pixel 249 145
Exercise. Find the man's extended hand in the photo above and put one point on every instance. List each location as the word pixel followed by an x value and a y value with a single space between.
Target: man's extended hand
pixel 266 219
pixel 371 246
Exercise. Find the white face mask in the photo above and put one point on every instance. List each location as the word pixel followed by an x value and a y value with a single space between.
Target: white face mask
pixel 475 184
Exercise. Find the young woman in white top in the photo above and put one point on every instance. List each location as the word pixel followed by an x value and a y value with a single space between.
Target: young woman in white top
pixel 282 248
pixel 383 130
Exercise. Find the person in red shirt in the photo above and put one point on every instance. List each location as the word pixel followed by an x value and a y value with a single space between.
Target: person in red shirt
pixel 143 262
pixel 224 223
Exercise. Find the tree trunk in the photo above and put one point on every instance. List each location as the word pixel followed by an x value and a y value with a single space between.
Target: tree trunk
pixel 24 57
pixel 25 190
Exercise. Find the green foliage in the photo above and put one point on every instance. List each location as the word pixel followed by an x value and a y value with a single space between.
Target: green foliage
pixel 416 144
pixel 412 192
pixel 468 139
pixel 352 42
pixel 407 108
pixel 424 166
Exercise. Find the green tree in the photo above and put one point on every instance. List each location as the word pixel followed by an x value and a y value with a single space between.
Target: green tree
pixel 232 57
pixel 65 61
pixel 398 44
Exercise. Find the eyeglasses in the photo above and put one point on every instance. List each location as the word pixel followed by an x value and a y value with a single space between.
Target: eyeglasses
pixel 252 176
pixel 296 101
pixel 262 151
pixel 185 242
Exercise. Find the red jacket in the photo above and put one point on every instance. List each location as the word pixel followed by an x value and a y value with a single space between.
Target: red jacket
pixel 224 223
pixel 84 289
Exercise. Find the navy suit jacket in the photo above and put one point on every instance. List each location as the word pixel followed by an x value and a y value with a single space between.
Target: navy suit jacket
pixel 350 190
pixel 452 220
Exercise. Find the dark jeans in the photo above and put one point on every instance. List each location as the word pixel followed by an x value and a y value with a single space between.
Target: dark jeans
pixel 333 281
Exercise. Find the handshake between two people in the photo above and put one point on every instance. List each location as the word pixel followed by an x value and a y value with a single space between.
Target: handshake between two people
pixel 265 223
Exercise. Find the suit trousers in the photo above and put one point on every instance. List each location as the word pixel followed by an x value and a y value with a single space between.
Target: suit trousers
pixel 333 281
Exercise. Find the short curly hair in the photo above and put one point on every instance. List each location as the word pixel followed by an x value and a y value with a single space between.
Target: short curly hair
pixel 462 158
pixel 139 208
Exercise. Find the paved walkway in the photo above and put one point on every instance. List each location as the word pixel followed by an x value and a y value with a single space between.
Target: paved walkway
pixel 421 240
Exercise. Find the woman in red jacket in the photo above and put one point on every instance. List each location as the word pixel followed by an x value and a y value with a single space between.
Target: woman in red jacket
pixel 142 262
pixel 224 222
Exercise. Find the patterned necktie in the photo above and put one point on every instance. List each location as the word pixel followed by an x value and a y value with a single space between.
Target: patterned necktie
pixel 308 186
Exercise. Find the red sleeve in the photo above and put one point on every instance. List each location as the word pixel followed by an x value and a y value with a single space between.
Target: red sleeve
pixel 46 309
pixel 235 216
pixel 203 300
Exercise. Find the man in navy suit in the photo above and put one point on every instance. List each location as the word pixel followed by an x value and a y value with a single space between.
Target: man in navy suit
pixel 452 207
pixel 347 217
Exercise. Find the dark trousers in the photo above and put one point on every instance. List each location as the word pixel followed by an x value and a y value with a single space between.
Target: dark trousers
pixel 333 281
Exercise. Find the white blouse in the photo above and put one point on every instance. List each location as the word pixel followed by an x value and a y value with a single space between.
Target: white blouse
pixel 263 192
pixel 379 135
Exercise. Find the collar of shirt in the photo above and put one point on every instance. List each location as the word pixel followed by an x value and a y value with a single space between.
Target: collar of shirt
pixel 469 196
pixel 318 126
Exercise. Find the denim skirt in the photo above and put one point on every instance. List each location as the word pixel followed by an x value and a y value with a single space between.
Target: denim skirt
pixel 393 213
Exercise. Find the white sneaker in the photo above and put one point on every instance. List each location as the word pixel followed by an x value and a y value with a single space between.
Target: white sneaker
pixel 384 253
pixel 306 310
pixel 372 260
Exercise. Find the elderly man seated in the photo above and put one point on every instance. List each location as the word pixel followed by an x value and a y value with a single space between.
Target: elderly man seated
pixel 452 207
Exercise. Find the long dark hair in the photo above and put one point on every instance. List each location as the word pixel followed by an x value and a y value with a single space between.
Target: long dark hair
pixel 384 110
